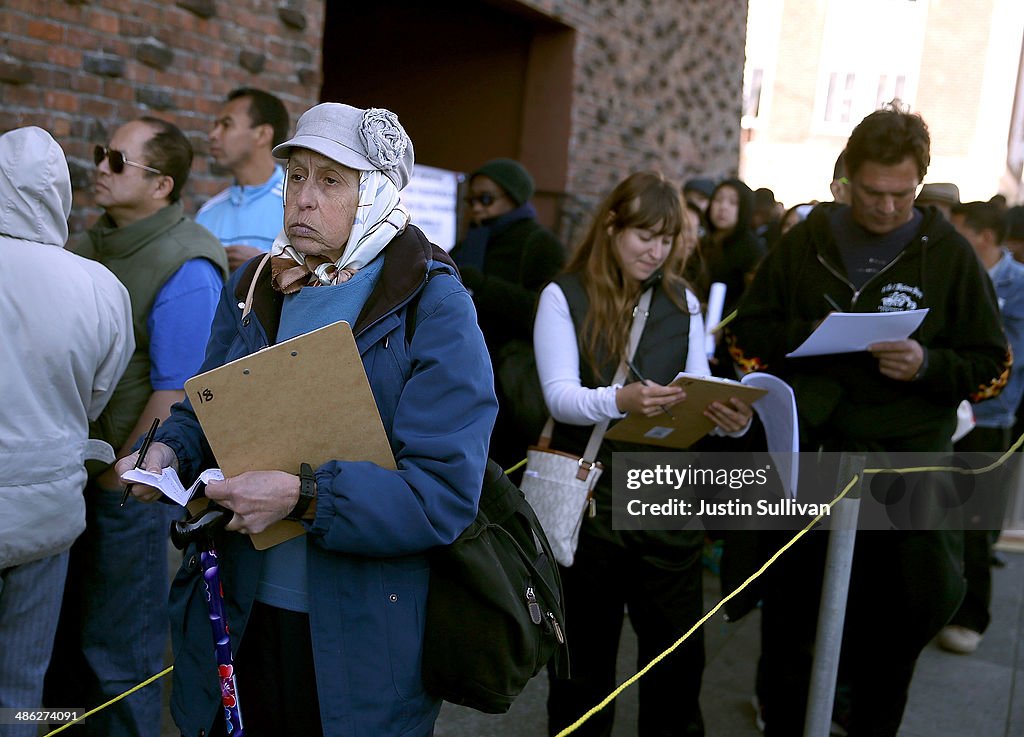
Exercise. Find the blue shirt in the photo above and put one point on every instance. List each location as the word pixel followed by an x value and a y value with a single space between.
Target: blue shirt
pixel 283 577
pixel 179 323
pixel 246 216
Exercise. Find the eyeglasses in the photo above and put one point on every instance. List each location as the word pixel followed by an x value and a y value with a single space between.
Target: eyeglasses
pixel 486 199
pixel 117 160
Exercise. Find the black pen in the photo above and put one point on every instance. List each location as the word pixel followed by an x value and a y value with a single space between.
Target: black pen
pixel 146 442
pixel 832 302
pixel 642 380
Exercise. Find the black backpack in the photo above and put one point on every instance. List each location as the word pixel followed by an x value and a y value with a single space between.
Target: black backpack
pixel 494 609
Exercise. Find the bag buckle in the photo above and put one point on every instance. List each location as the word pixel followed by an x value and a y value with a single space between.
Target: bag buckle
pixel 584 469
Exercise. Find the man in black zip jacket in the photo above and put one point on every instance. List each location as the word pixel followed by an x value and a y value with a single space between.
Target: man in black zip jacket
pixel 878 254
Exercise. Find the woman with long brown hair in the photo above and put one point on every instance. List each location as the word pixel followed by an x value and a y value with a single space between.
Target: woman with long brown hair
pixel 639 240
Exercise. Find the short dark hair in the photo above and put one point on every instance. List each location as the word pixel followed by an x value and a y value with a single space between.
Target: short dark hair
pixel 169 151
pixel 839 170
pixel 265 109
pixel 763 198
pixel 979 216
pixel 888 136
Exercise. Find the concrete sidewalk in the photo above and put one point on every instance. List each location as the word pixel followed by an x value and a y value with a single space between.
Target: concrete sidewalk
pixel 979 695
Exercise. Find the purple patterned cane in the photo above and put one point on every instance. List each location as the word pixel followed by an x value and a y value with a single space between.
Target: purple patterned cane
pixel 221 643
pixel 201 529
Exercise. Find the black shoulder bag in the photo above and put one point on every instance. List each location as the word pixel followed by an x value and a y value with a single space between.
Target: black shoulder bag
pixel 494 609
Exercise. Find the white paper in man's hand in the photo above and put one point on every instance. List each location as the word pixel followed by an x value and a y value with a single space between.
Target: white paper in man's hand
pixel 849 332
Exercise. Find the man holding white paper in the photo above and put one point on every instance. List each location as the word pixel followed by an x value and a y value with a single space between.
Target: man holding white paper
pixel 878 254
pixel 850 332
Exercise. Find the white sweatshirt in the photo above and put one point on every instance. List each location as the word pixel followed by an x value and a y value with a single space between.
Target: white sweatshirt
pixel 558 361
pixel 65 341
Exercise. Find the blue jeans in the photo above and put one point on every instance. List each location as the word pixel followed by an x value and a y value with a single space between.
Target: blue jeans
pixel 114 627
pixel 29 604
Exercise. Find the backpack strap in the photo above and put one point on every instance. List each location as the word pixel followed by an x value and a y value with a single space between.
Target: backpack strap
pixel 253 278
pixel 256 295
pixel 414 304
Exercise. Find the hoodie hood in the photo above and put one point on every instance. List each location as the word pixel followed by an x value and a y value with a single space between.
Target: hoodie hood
pixel 35 187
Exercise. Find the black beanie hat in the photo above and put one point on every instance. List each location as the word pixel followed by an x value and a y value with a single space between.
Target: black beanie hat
pixel 700 184
pixel 510 176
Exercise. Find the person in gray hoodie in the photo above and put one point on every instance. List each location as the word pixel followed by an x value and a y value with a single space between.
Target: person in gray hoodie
pixel 66 341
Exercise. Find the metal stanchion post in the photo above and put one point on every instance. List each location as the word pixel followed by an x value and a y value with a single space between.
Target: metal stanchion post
pixel 832 612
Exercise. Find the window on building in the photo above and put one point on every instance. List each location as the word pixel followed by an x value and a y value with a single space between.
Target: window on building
pixel 890 87
pixel 870 55
pixel 762 51
pixel 839 98
pixel 752 92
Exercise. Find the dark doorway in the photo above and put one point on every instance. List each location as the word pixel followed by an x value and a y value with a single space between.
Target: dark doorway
pixel 470 80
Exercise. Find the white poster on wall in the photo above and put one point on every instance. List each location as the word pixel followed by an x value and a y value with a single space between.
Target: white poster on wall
pixel 432 199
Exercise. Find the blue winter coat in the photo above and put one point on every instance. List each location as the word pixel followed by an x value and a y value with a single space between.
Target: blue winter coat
pixel 366 564
pixel 1008 280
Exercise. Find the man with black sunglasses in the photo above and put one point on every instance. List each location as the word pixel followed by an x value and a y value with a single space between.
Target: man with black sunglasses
pixel 113 628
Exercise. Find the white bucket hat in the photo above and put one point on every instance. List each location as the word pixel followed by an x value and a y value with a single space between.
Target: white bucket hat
pixel 364 140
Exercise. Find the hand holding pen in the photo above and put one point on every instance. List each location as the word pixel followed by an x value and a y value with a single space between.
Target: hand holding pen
pixel 645 396
pixel 146 442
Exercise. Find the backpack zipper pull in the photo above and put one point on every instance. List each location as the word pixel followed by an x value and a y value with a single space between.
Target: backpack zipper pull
pixel 533 606
pixel 591 507
pixel 557 627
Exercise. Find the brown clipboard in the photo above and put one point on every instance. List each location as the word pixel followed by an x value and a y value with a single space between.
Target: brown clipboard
pixel 303 400
pixel 684 423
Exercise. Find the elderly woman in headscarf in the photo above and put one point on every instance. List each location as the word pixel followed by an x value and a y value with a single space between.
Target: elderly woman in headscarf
pixel 331 623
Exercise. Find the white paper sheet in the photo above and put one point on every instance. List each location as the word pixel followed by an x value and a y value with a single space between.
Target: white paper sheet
pixel 849 332
pixel 169 483
pixel 716 301
pixel 777 410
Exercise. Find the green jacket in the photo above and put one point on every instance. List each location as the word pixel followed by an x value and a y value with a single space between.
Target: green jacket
pixel 144 255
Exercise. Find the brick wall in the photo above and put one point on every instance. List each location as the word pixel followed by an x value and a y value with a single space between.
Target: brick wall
pixel 657 82
pixel 81 68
